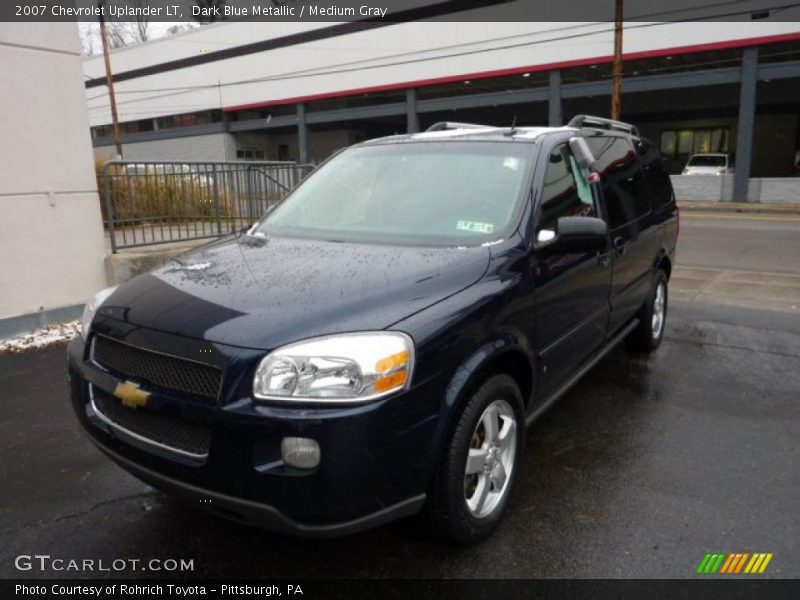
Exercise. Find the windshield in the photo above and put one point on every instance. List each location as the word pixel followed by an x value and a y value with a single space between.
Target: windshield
pixel 427 193
pixel 707 160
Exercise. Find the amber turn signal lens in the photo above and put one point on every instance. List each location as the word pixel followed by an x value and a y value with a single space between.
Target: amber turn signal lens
pixel 389 382
pixel 392 362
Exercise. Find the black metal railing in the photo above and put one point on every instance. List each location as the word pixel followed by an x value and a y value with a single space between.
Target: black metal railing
pixel 150 202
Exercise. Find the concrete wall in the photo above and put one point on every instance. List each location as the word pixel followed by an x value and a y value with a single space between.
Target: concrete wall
pixel 214 147
pixel 51 237
pixel 223 146
pixel 711 188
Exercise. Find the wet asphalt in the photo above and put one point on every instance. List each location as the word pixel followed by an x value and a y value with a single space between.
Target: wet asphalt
pixel 748 242
pixel 640 470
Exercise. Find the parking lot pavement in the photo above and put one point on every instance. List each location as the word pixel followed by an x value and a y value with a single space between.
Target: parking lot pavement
pixel 638 472
pixel 768 243
pixel 769 291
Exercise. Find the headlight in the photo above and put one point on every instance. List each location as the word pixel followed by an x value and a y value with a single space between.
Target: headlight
pixel 91 308
pixel 351 367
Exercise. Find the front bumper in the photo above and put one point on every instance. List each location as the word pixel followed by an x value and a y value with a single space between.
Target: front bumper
pixel 377 458
pixel 256 513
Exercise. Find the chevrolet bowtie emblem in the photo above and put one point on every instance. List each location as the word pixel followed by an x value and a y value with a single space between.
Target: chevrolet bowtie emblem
pixel 131 394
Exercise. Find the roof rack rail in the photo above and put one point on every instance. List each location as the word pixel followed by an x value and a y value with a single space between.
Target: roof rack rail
pixel 447 125
pixel 580 121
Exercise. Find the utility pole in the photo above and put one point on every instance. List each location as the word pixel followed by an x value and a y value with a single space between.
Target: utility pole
pixel 109 78
pixel 616 93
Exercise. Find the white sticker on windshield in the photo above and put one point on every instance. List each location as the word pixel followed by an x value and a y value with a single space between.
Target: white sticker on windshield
pixel 475 226
pixel 511 162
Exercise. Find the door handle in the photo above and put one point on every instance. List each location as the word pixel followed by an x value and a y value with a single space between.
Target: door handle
pixel 603 259
pixel 619 244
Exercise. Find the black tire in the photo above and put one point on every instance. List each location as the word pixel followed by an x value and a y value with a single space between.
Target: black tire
pixel 447 509
pixel 644 337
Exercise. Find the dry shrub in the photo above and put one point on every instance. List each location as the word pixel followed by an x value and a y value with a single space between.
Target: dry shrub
pixel 143 194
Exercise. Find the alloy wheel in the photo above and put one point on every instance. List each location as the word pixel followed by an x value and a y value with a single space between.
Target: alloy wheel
pixel 491 459
pixel 659 310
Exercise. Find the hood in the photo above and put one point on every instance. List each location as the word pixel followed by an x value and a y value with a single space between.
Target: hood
pixel 266 292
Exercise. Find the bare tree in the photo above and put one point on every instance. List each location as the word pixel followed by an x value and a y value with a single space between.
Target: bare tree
pixel 182 27
pixel 119 34
pixel 90 38
pixel 142 22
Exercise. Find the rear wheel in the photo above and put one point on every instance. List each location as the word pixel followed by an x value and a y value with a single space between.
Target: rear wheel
pixel 647 335
pixel 476 473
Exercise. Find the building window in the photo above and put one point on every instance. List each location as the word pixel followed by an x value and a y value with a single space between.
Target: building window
pixel 249 154
pixel 101 131
pixel 189 119
pixel 680 143
pixel 283 152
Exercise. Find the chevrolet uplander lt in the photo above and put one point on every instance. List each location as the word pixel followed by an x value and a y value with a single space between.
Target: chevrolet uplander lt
pixel 378 343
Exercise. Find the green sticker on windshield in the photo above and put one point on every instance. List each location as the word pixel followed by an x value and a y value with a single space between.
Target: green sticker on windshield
pixel 475 226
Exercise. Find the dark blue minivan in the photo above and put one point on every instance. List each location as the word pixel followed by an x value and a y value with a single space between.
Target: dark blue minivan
pixel 378 343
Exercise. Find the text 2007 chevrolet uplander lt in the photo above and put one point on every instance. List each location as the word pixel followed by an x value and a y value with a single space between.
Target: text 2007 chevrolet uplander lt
pixel 377 344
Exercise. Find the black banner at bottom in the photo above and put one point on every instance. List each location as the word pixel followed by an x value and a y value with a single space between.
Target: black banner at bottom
pixel 413 589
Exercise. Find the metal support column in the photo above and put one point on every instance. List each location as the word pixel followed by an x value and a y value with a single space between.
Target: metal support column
pixel 412 118
pixel 302 134
pixel 747 116
pixel 555 118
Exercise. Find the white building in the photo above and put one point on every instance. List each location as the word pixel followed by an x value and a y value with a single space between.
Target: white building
pixel 300 91
pixel 51 236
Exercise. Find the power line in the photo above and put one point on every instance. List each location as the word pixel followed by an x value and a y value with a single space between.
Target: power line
pixel 646 16
pixel 315 73
pixel 323 71
pixel 312 71
pixel 658 16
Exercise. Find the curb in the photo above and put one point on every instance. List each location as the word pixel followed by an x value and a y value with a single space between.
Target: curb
pixel 741 207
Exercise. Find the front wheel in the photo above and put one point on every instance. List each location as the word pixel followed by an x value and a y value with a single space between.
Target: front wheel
pixel 647 335
pixel 476 473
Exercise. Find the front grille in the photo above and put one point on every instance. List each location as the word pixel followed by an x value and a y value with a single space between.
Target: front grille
pixel 176 434
pixel 145 366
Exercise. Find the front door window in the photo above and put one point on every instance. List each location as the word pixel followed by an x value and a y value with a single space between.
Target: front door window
pixel 566 191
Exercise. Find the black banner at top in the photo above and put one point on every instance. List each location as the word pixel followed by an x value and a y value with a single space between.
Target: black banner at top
pixel 211 11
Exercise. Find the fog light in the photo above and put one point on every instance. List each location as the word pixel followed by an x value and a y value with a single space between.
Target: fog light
pixel 302 453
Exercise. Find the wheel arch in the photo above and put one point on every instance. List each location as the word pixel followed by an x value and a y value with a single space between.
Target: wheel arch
pixel 663 261
pixel 665 264
pixel 507 353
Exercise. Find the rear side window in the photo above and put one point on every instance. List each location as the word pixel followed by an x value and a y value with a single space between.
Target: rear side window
pixel 622 181
pixel 566 191
pixel 655 176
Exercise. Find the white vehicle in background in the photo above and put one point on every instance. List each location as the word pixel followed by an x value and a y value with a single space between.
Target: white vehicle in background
pixel 709 164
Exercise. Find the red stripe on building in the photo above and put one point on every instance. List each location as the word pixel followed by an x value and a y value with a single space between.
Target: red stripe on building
pixel 678 50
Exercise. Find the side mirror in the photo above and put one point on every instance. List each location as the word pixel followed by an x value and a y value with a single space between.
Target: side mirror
pixel 582 153
pixel 574 235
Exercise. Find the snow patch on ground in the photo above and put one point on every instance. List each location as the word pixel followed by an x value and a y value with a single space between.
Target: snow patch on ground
pixel 53 335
